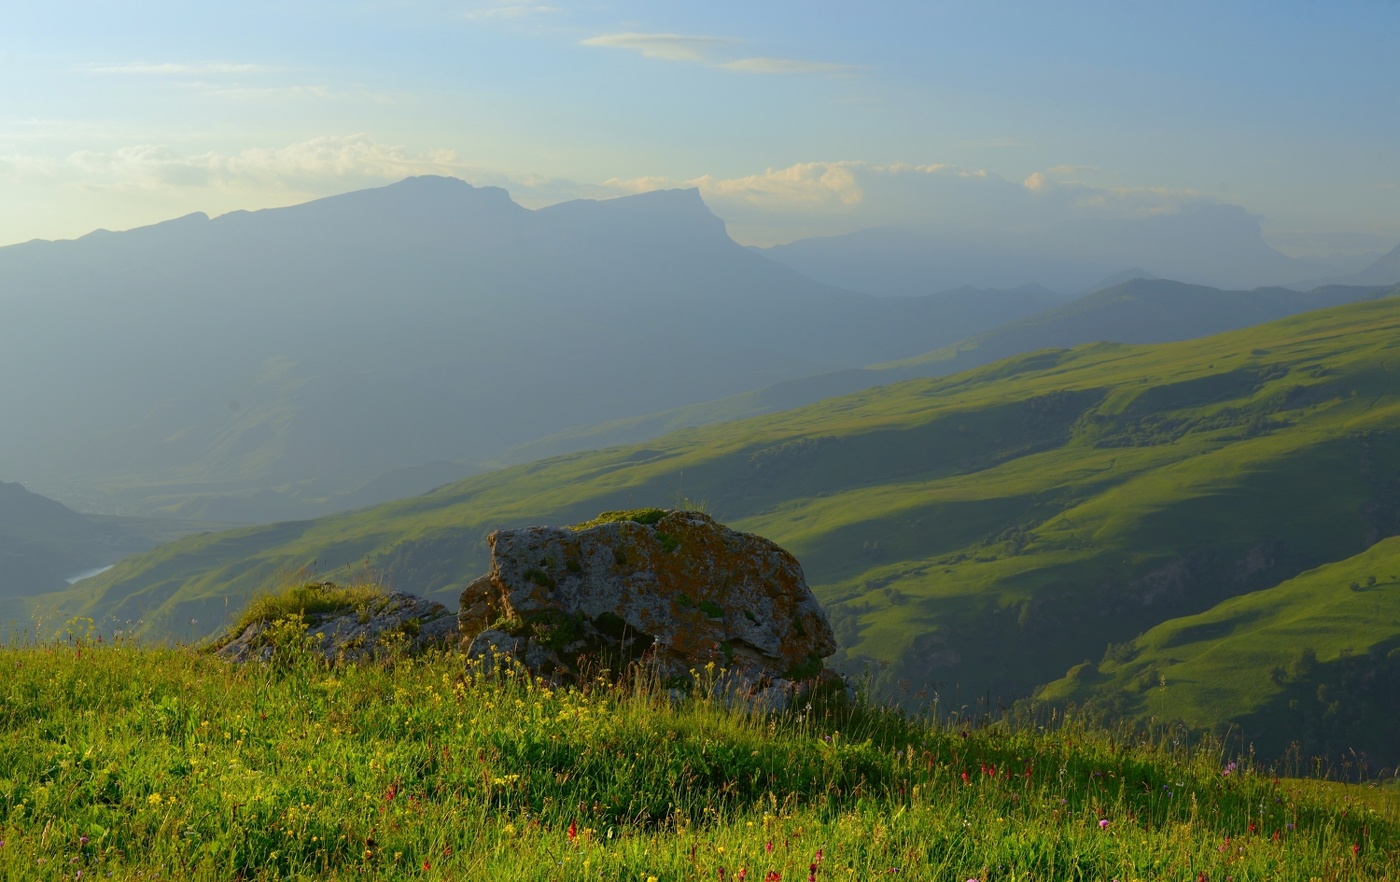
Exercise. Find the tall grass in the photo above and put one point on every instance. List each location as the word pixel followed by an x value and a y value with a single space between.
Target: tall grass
pixel 130 762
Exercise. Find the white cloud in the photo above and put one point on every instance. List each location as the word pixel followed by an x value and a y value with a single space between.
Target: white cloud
pixel 786 66
pixel 241 92
pixel 173 69
pixel 338 162
pixel 823 198
pixel 711 52
pixel 667 47
pixel 507 9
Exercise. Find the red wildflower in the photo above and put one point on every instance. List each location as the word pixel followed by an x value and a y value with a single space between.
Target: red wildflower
pixel 573 831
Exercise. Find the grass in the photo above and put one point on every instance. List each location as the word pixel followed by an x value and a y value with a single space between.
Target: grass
pixel 128 762
pixel 310 600
pixel 977 535
pixel 644 516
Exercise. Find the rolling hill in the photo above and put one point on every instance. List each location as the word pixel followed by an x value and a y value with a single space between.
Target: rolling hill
pixel 1137 310
pixel 975 535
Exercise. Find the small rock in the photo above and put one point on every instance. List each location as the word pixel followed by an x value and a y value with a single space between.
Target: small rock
pixel 397 621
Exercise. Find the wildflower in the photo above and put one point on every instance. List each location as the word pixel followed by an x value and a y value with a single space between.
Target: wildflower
pixel 427 866
pixel 773 876
pixel 573 831
pixel 1356 848
pixel 769 847
pixel 1103 823
pixel 743 874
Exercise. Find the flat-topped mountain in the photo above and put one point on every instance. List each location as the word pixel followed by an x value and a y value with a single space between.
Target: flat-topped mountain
pixel 269 364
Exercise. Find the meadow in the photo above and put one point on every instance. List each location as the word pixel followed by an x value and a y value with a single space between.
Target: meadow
pixel 135 762
pixel 983 535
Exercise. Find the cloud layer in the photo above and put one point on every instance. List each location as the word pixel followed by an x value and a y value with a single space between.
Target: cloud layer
pixel 716 52
pixel 823 198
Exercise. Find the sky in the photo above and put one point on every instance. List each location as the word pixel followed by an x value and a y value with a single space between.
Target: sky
pixel 793 118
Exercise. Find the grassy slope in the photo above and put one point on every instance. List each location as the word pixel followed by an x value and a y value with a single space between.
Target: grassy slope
pixel 127 763
pixel 1300 661
pixel 981 533
pixel 1136 311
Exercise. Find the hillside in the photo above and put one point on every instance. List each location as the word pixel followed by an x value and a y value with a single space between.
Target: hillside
pixel 977 535
pixel 1310 664
pixel 177 764
pixel 44 546
pixel 1137 310
pixel 42 543
pixel 289 362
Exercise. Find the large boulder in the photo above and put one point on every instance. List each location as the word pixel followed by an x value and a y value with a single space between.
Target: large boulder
pixel 394 622
pixel 674 587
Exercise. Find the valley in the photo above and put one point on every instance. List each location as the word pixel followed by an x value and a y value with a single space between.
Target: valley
pixel 972 537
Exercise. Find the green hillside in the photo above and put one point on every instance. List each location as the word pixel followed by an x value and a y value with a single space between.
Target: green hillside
pixel 1135 311
pixel 137 763
pixel 1310 660
pixel 977 535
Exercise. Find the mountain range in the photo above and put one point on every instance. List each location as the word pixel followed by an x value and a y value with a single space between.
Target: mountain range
pixel 1139 310
pixel 285 362
pixel 1215 245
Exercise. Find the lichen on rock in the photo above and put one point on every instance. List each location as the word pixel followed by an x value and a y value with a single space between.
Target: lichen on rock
pixel 675 587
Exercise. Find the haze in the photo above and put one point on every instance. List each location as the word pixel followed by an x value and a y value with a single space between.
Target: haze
pixel 792 119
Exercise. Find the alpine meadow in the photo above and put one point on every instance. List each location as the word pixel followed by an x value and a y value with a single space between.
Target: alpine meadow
pixel 700 442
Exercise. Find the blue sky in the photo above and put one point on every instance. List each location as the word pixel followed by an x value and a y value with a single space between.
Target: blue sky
pixel 792 118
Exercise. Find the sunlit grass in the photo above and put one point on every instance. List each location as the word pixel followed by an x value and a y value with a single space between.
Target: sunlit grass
pixel 170 763
pixel 309 599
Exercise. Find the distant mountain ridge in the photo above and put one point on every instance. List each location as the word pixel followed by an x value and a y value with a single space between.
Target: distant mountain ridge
pixel 272 364
pixel 1140 310
pixel 1214 245
pixel 1385 270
